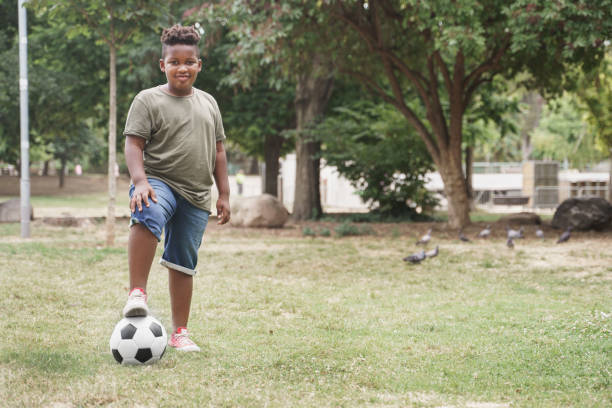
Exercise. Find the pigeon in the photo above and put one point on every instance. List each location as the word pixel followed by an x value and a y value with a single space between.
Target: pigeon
pixel 416 257
pixel 515 233
pixel 425 238
pixel 539 233
pixel 510 243
pixel 485 232
pixel 565 236
pixel 463 237
pixel 433 253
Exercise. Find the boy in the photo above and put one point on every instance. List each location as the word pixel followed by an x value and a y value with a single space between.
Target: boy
pixel 173 149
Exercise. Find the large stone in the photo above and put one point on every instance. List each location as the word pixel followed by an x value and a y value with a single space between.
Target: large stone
pixel 522 218
pixel 583 214
pixel 259 211
pixel 10 211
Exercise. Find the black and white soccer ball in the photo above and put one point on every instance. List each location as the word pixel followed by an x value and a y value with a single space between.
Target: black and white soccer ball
pixel 138 340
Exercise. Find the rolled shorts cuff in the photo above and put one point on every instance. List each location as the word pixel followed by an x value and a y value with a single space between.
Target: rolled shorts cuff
pixel 134 221
pixel 176 267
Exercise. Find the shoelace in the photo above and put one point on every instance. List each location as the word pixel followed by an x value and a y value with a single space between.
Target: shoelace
pixel 138 295
pixel 182 339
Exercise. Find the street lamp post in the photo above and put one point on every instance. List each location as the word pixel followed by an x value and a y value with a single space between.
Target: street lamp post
pixel 23 108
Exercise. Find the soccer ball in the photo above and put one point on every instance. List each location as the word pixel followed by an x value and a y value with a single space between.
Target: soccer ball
pixel 138 340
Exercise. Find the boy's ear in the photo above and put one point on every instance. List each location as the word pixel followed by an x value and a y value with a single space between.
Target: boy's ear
pixel 162 66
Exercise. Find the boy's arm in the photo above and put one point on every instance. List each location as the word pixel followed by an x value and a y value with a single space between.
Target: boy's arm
pixel 134 146
pixel 222 181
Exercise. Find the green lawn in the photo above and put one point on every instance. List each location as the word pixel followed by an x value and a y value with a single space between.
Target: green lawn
pixel 285 320
pixel 77 201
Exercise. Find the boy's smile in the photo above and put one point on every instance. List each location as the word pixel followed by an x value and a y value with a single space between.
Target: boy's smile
pixel 181 66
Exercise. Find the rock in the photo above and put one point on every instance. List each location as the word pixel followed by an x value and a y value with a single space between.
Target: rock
pixel 259 211
pixel 10 211
pixel 69 221
pixel 522 218
pixel 583 214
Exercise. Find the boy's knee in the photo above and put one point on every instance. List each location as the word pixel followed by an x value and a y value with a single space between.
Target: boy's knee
pixel 152 218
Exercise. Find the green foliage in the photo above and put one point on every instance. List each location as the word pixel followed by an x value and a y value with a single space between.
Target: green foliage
pixel 375 149
pixel 594 91
pixel 324 232
pixel 563 135
pixel 348 229
pixel 308 232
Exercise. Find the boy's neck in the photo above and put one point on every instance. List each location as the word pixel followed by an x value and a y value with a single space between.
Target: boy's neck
pixel 166 88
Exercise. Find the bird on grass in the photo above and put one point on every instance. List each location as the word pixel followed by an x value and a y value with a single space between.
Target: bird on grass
pixel 462 236
pixel 539 233
pixel 485 233
pixel 425 238
pixel 415 258
pixel 510 243
pixel 565 236
pixel 514 234
pixel 432 254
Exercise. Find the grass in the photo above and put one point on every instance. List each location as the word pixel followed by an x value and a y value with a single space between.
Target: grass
pixel 78 201
pixel 286 320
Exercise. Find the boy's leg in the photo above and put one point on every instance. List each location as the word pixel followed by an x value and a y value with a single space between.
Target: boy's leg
pixel 141 251
pixel 145 232
pixel 183 238
pixel 181 289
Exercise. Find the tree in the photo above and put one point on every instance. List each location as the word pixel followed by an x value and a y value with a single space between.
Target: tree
pixel 273 35
pixel 255 118
pixel 444 51
pixel 111 23
pixel 367 142
pixel 563 134
pixel 595 91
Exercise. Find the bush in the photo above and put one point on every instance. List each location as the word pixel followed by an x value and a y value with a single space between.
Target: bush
pixel 348 229
pixel 324 232
pixel 373 146
pixel 308 232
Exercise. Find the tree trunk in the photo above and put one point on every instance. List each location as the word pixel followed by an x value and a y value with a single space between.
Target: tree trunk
pixel 312 93
pixel 531 119
pixel 610 179
pixel 62 173
pixel 469 170
pixel 272 148
pixel 112 145
pixel 456 193
pixel 45 171
pixel 253 166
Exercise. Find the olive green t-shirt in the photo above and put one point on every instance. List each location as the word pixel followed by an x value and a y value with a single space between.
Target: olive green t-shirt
pixel 181 134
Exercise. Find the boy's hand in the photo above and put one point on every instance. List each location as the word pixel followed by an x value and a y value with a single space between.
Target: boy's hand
pixel 223 210
pixel 142 191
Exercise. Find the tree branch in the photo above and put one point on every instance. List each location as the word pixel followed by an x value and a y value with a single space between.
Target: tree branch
pixel 490 64
pixel 90 22
pixel 415 77
pixel 444 70
pixel 402 107
pixel 435 113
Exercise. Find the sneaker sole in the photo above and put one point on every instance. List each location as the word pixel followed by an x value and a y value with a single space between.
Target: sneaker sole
pixel 186 349
pixel 136 312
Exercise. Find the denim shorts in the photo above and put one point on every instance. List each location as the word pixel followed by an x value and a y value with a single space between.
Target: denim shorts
pixel 183 223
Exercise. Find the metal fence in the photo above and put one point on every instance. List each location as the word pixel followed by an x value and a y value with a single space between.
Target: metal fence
pixel 551 196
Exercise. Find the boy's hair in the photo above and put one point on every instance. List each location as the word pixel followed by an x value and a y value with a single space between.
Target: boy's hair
pixel 177 34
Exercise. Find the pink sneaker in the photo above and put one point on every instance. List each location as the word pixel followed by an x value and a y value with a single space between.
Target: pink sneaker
pixel 136 304
pixel 180 340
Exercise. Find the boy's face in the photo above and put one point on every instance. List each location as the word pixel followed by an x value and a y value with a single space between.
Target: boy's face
pixel 181 66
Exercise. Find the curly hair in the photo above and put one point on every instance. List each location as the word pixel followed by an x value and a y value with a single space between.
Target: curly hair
pixel 178 34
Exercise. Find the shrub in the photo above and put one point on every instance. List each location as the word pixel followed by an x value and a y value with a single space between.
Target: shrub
pixel 373 146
